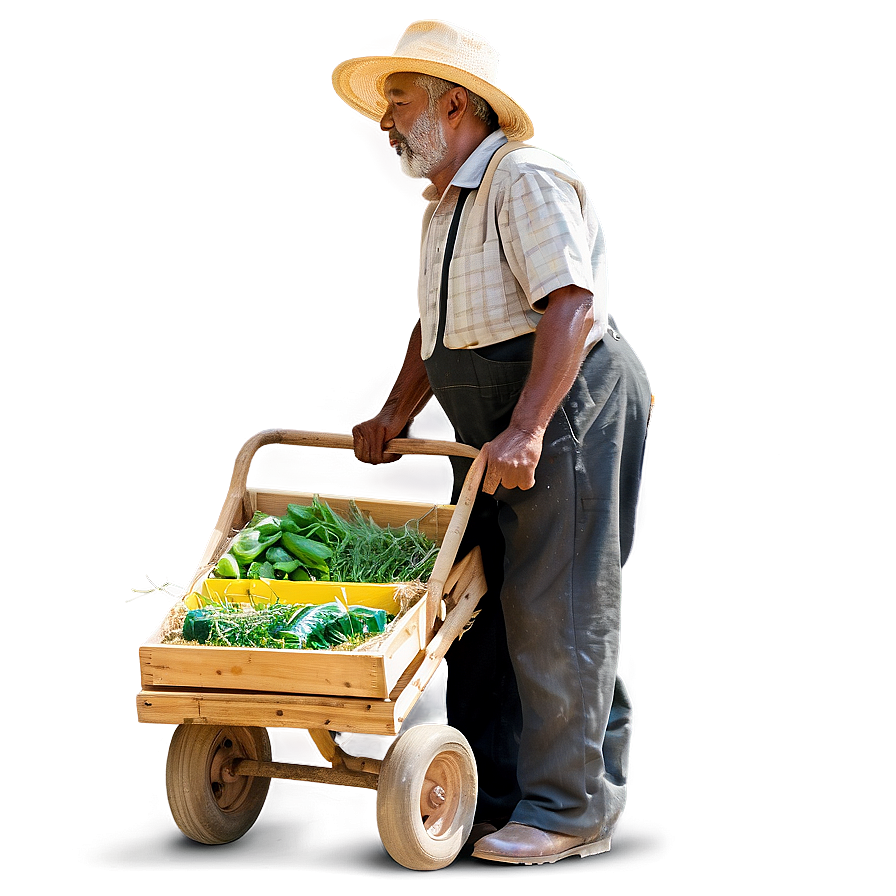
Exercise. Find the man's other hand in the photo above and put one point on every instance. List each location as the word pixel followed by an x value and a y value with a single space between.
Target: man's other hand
pixel 372 435
pixel 512 458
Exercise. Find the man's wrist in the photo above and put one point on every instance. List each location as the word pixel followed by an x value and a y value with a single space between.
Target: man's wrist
pixel 527 423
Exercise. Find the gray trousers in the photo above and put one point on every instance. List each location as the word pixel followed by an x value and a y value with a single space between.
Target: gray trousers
pixel 533 683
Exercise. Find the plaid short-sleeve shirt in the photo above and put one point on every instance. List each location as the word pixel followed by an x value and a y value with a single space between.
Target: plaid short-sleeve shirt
pixel 535 232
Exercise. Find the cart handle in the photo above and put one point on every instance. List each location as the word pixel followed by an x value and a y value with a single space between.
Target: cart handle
pixel 238 498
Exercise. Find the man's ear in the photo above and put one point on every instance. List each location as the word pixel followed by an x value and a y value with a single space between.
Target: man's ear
pixel 457 101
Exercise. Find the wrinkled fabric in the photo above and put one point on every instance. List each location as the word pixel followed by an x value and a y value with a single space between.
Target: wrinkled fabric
pixel 536 231
pixel 533 684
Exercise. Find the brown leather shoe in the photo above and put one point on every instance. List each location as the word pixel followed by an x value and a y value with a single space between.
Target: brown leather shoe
pixel 521 844
pixel 479 830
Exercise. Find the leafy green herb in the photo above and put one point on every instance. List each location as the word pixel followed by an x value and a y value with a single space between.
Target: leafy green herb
pixel 305 626
pixel 313 542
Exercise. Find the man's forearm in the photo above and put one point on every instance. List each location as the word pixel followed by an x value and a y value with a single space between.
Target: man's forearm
pixel 556 357
pixel 407 398
pixel 411 391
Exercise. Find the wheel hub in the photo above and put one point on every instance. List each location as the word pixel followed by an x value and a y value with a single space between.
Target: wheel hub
pixel 228 789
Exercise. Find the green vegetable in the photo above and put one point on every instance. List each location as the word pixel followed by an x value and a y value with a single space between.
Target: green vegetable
pixel 268 525
pixel 260 571
pixel 227 567
pixel 287 566
pixel 228 625
pixel 382 554
pixel 250 543
pixel 301 515
pixel 310 552
pixel 306 626
pixel 197 624
pixel 277 554
pixel 328 625
pixel 329 548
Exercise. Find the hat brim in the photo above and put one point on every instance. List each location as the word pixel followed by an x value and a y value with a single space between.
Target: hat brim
pixel 360 83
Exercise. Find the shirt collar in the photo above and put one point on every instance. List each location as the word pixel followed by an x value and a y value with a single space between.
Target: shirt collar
pixel 472 171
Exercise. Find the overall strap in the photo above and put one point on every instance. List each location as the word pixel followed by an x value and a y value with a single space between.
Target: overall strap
pixel 446 262
pixel 485 186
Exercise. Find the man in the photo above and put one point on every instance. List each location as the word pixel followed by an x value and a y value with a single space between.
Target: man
pixel 515 342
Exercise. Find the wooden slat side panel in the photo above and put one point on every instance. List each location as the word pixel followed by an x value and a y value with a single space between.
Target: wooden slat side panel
pixel 337 673
pixel 253 669
pixel 266 711
pixel 433 518
pixel 465 595
pixel 400 652
pixel 178 707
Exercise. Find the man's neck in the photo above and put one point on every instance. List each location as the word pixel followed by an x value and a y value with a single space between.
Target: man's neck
pixel 463 146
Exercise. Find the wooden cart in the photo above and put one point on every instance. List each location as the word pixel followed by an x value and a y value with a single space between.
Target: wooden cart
pixel 223 699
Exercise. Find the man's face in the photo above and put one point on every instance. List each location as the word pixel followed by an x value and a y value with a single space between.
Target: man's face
pixel 414 125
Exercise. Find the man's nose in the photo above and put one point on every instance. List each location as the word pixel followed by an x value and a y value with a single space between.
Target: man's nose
pixel 386 122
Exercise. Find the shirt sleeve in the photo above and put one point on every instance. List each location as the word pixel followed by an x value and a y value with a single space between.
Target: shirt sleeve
pixel 544 235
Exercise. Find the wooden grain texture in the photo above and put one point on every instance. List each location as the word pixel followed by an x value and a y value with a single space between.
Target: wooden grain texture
pixel 453 536
pixel 177 706
pixel 399 653
pixel 469 586
pixel 291 771
pixel 324 742
pixel 264 711
pixel 251 669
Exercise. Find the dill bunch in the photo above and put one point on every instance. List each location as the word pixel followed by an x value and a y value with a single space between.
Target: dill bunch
pixel 378 554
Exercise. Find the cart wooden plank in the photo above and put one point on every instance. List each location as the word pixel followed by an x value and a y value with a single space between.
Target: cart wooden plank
pixel 209 707
pixel 165 665
pixel 333 672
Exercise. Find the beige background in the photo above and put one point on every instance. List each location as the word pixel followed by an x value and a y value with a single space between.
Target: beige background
pixel 178 190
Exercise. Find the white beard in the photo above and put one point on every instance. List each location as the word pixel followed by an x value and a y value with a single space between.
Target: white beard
pixel 424 147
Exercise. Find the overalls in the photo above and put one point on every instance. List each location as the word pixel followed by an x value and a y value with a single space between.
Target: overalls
pixel 532 684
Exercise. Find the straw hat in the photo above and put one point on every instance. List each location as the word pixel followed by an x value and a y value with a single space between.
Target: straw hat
pixel 439 49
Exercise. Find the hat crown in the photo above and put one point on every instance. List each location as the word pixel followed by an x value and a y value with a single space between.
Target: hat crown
pixel 449 45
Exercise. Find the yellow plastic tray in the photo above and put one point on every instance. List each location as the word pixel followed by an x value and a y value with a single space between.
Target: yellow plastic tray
pixel 268 591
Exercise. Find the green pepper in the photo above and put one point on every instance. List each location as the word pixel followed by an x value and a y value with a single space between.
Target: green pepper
pixel 287 566
pixel 277 554
pixel 302 515
pixel 310 552
pixel 260 571
pixel 227 567
pixel 197 624
pixel 268 525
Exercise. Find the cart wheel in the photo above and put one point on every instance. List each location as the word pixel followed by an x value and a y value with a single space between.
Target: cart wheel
pixel 209 804
pixel 426 797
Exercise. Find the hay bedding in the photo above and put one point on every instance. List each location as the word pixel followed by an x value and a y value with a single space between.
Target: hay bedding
pixel 407 594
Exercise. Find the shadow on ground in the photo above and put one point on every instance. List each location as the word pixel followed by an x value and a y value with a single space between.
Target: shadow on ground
pixel 281 842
